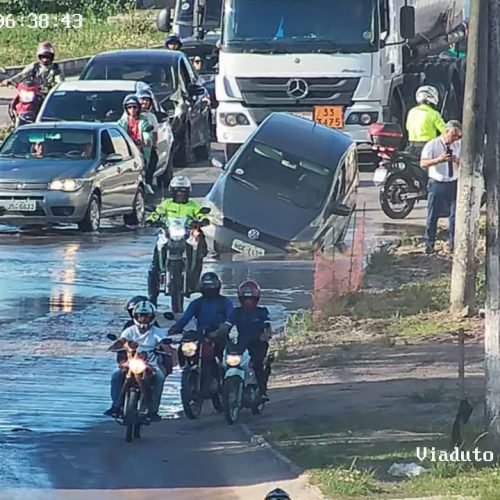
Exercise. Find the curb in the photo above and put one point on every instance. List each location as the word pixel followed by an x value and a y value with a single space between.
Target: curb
pixel 70 67
pixel 294 468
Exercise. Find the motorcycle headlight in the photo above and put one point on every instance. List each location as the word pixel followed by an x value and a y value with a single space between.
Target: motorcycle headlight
pixel 177 233
pixel 67 185
pixel 233 359
pixel 137 366
pixel 189 349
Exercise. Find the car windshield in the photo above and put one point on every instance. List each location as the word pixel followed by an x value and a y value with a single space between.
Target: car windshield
pixel 161 77
pixel 85 106
pixel 301 25
pixel 54 144
pixel 283 176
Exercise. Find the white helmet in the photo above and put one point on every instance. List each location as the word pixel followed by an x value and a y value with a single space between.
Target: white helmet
pixel 144 315
pixel 180 182
pixel 427 94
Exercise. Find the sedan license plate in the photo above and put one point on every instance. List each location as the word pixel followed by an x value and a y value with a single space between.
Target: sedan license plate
pixel 379 175
pixel 247 249
pixel 21 206
pixel 330 116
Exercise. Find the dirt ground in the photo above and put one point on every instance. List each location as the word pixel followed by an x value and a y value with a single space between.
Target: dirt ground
pixel 356 388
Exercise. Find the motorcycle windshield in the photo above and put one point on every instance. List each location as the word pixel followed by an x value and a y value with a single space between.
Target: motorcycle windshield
pixel 177 227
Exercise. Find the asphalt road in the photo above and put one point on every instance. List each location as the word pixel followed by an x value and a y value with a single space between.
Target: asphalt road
pixel 65 291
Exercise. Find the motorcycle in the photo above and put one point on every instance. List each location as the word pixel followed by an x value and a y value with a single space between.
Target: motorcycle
pixel 201 373
pixel 403 182
pixel 174 275
pixel 136 390
pixel 24 107
pixel 240 389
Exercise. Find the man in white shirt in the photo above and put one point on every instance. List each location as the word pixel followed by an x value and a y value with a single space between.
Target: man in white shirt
pixel 441 157
pixel 148 337
pixel 146 98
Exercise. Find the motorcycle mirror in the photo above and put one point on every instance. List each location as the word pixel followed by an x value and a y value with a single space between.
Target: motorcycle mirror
pixel 169 315
pixel 205 222
pixel 205 210
pixel 112 336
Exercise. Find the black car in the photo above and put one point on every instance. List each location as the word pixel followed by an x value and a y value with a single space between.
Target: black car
pixel 291 187
pixel 177 86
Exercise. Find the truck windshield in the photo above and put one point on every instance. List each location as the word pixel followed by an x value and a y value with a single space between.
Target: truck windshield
pixel 308 25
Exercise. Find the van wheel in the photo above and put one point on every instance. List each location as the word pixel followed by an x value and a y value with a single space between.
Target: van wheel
pixel 138 216
pixel 92 220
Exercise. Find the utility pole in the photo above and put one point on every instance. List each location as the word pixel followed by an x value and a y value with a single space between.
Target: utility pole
pixel 492 177
pixel 470 182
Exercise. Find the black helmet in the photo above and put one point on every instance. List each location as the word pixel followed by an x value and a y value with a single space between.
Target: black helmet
pixel 278 494
pixel 210 285
pixel 131 303
pixel 173 38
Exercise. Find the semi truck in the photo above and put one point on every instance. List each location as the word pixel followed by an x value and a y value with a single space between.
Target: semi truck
pixel 345 64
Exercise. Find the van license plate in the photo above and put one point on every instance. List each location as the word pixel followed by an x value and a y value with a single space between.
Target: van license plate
pixel 21 206
pixel 379 175
pixel 247 249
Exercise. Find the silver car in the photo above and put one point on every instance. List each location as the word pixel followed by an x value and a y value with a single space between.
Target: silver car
pixel 70 172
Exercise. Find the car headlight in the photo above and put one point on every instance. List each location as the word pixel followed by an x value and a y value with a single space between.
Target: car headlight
pixel 215 216
pixel 189 349
pixel 233 119
pixel 233 360
pixel 67 185
pixel 137 366
pixel 363 119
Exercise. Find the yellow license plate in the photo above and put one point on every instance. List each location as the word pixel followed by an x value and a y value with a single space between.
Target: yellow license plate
pixel 330 116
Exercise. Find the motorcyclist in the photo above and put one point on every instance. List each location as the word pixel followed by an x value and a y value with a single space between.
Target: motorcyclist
pixel 138 128
pixel 145 97
pixel 173 42
pixel 253 329
pixel 211 311
pixel 45 72
pixel 424 122
pixel 179 205
pixel 148 337
pixel 278 494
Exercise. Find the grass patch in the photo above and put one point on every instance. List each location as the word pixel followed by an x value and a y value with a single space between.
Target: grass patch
pixel 431 395
pixel 354 463
pixel 380 260
pixel 4 132
pixel 95 35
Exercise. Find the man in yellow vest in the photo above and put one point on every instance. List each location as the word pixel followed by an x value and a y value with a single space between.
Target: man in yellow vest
pixel 424 121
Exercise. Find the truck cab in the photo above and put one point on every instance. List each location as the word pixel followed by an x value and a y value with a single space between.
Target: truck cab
pixel 345 64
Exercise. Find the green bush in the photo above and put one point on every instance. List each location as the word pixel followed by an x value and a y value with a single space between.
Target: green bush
pixel 98 8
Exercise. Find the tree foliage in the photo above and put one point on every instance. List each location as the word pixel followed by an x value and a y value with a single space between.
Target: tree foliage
pixel 98 8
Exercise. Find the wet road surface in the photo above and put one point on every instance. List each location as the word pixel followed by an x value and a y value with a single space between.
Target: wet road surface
pixel 61 293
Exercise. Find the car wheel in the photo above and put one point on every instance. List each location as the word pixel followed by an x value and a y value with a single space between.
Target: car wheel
pixel 92 220
pixel 138 216
pixel 185 156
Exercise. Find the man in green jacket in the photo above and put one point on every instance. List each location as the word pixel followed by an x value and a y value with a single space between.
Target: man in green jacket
pixel 179 205
pixel 424 121
pixel 138 128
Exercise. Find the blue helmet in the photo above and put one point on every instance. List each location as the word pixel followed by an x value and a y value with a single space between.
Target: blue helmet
pixel 131 99
pixel 173 38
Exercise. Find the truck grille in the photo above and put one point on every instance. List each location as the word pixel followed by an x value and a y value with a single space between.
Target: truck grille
pixel 264 238
pixel 274 92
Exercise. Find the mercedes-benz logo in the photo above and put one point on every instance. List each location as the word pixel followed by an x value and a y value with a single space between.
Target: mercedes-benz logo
pixel 21 186
pixel 297 88
pixel 253 234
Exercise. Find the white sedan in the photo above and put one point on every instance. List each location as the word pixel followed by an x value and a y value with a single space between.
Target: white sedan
pixel 101 101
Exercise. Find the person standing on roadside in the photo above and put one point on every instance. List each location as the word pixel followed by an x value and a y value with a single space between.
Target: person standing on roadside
pixel 146 99
pixel 45 72
pixel 441 158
